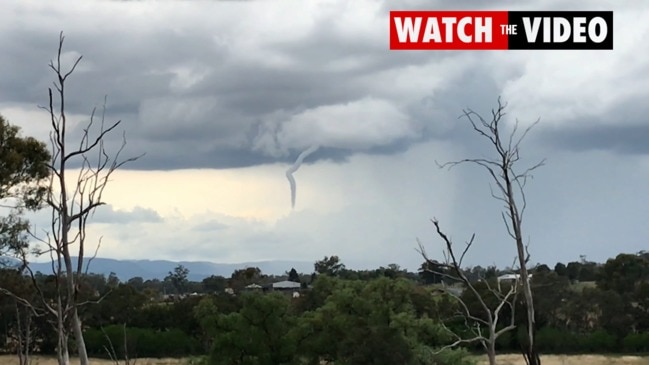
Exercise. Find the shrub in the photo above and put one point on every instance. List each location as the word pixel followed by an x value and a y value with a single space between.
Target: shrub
pixel 599 342
pixel 636 342
pixel 556 341
pixel 140 342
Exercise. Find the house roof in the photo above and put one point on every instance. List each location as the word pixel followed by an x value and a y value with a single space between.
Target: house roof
pixel 508 277
pixel 253 286
pixel 286 285
pixel 511 276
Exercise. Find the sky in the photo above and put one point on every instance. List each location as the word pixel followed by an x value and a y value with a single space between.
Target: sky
pixel 222 96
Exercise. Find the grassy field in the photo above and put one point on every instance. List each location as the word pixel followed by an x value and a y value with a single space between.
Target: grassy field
pixel 13 360
pixel 502 360
pixel 572 360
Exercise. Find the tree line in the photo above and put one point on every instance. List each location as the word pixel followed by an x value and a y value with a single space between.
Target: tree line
pixel 383 316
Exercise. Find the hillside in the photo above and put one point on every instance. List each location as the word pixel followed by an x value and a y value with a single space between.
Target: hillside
pixel 198 270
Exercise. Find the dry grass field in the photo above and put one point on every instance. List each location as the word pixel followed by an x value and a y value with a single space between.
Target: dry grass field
pixel 573 360
pixel 502 360
pixel 13 360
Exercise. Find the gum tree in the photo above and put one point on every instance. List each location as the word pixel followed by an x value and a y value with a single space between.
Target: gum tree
pixel 509 180
pixel 79 173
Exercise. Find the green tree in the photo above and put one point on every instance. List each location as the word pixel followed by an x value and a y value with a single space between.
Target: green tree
pixel 550 293
pixel 242 277
pixel 491 272
pixel 322 287
pixel 120 306
pixel 393 271
pixel 431 272
pixel 329 266
pixel 214 284
pixel 207 314
pixel 561 269
pixel 178 279
pixel 23 169
pixel 293 276
pixel 136 282
pixel 364 322
pixel 259 334
pixel 589 271
pixel 615 313
pixel 623 273
pixel 572 270
pixel 112 281
pixel 641 308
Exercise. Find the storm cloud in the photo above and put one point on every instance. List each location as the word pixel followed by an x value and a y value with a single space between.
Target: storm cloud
pixel 223 96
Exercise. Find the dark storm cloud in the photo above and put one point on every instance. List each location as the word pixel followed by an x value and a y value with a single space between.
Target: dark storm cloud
pixel 624 139
pixel 623 129
pixel 168 156
pixel 129 64
pixel 190 97
pixel 442 112
pixel 199 85
pixel 212 121
pixel 27 54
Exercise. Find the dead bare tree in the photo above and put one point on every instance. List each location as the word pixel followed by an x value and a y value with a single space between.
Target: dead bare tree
pixel 490 315
pixel 24 333
pixel 72 204
pixel 19 289
pixel 510 183
pixel 112 353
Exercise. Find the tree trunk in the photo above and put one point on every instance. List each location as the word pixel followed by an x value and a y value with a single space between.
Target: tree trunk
pixel 66 352
pixel 22 360
pixel 491 352
pixel 28 338
pixel 77 329
pixel 78 336
pixel 62 350
pixel 531 353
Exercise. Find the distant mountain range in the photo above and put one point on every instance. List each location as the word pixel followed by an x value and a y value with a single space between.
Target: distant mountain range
pixel 198 270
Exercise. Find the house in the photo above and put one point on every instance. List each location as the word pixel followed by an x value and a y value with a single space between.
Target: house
pixel 510 277
pixel 253 287
pixel 286 285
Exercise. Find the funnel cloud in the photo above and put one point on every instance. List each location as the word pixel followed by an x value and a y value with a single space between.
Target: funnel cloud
pixel 295 167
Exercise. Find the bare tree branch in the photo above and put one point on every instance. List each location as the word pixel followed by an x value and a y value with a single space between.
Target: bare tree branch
pixel 71 205
pixel 472 321
pixel 501 169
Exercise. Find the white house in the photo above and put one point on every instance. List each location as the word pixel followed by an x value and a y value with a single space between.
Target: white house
pixel 510 277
